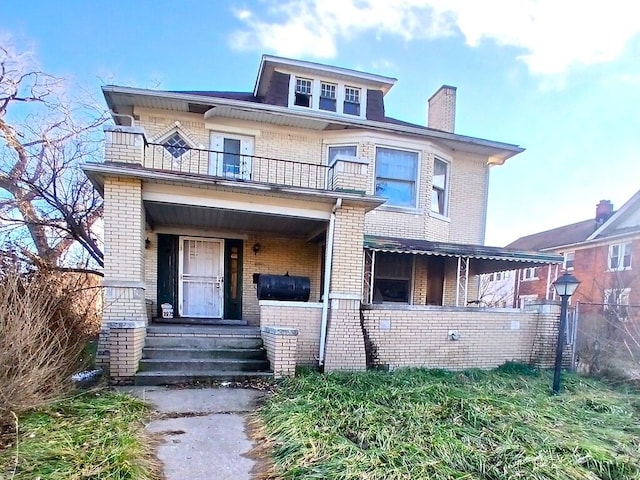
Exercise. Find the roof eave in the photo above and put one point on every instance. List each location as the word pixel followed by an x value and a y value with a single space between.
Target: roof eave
pixel 502 151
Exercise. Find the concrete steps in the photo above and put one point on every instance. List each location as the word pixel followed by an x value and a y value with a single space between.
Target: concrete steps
pixel 181 354
pixel 187 377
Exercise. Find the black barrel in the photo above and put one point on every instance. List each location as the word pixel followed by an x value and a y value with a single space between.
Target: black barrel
pixel 283 287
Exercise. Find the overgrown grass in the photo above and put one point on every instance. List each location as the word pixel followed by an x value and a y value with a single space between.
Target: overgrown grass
pixel 95 435
pixel 420 424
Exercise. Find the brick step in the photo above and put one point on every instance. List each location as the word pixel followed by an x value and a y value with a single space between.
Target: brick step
pixel 187 377
pixel 180 353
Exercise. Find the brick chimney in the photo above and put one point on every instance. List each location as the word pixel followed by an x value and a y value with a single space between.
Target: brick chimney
pixel 442 109
pixel 604 210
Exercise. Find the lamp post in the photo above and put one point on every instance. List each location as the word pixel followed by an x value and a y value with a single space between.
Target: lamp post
pixel 565 286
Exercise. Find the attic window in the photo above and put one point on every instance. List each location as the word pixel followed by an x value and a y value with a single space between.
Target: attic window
pixel 303 92
pixel 328 96
pixel 176 145
pixel 351 101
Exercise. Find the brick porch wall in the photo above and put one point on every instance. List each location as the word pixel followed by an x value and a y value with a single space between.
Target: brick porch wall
pixel 304 317
pixel 418 336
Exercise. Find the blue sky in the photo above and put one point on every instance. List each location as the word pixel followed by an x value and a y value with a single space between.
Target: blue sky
pixel 558 77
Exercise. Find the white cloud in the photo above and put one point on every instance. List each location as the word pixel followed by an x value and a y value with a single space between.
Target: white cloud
pixel 553 35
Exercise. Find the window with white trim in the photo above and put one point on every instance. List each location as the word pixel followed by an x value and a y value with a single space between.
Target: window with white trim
pixel 396 174
pixel 392 277
pixel 530 273
pixel 616 303
pixel 328 96
pixel 303 93
pixel 440 184
pixel 569 260
pixel 346 150
pixel 619 256
pixel 351 101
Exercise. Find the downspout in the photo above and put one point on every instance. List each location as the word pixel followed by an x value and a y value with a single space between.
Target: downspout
pixel 327 279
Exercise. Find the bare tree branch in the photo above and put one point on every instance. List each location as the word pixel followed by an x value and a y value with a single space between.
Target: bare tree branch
pixel 44 137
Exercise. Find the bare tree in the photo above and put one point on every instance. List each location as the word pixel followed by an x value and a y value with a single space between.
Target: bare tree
pixel 609 326
pixel 496 290
pixel 48 208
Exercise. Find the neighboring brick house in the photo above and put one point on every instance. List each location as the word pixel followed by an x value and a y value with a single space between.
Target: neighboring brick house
pixel 601 252
pixel 204 191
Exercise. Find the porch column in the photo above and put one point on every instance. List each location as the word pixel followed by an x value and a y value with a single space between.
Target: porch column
pixel 345 340
pixel 124 304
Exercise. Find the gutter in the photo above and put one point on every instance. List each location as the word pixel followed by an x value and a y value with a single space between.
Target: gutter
pixel 327 280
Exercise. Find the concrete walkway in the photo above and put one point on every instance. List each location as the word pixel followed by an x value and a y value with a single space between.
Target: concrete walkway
pixel 203 431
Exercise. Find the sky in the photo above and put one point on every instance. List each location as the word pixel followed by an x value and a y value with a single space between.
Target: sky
pixel 560 78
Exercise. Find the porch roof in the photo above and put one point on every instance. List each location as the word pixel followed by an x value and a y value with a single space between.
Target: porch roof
pixel 493 259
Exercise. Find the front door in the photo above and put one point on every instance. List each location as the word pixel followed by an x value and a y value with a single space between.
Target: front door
pixel 200 285
pixel 230 156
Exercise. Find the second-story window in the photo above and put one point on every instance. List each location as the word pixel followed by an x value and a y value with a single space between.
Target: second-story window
pixel 347 150
pixel 396 174
pixel 620 256
pixel 303 92
pixel 569 259
pixel 351 101
pixel 328 96
pixel 439 187
pixel 176 145
pixel 530 273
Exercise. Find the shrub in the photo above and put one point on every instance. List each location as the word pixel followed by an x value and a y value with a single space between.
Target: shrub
pixel 45 322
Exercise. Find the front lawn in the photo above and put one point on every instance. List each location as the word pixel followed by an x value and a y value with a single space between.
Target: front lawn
pixel 421 424
pixel 94 435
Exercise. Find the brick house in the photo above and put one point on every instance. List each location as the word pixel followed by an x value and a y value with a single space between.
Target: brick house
pixel 208 194
pixel 601 253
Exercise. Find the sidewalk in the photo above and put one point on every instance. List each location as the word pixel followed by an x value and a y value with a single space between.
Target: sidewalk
pixel 203 431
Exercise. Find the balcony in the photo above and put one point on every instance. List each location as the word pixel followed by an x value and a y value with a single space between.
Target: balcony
pixel 128 145
pixel 236 166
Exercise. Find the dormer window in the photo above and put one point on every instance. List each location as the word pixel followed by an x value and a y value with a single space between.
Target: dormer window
pixel 328 96
pixel 351 101
pixel 303 92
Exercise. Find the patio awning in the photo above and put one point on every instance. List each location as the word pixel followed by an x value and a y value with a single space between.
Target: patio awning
pixel 470 259
pixel 424 247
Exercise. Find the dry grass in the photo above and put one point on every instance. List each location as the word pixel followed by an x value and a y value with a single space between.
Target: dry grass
pixel 419 424
pixel 45 322
pixel 95 435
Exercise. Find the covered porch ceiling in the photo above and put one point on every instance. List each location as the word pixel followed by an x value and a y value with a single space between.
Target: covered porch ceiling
pixel 211 218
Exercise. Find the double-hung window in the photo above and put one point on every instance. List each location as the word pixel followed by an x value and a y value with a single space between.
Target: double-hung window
pixel 328 96
pixel 530 273
pixel 439 187
pixel 620 256
pixel 396 176
pixel 569 260
pixel 351 101
pixel 303 95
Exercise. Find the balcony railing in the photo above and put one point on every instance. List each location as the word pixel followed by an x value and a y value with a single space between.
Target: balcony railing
pixel 236 166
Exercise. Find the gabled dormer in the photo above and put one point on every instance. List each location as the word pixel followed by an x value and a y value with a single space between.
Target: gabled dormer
pixel 308 86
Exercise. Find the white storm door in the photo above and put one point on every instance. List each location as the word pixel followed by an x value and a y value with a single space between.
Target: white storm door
pixel 200 286
pixel 230 156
